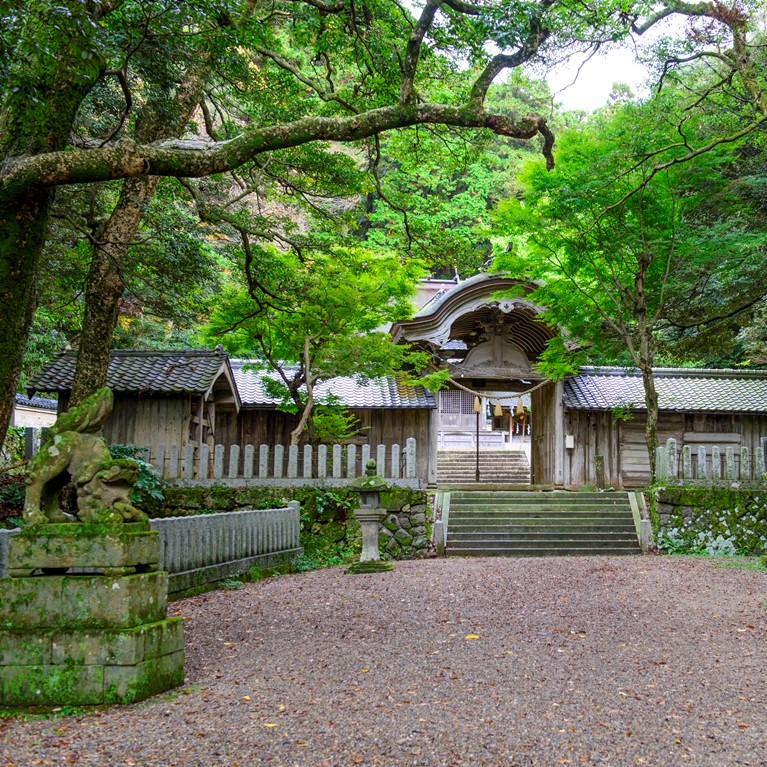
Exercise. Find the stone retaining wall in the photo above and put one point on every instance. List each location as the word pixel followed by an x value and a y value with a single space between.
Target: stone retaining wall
pixel 688 502
pixel 405 532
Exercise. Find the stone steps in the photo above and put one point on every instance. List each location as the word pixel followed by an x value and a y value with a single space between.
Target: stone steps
pixel 508 523
pixel 495 466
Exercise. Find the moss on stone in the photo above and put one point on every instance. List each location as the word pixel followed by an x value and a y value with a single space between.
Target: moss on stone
pixel 220 498
pixel 363 568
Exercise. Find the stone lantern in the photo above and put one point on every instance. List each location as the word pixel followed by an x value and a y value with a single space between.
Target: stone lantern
pixel 370 515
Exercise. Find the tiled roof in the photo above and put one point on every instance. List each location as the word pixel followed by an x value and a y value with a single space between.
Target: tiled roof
pixel 130 370
pixel 680 389
pixel 41 402
pixel 380 393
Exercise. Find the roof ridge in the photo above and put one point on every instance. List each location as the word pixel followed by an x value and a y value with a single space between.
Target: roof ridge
pixel 672 372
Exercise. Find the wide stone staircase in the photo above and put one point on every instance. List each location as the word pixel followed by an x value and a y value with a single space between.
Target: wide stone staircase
pixel 534 524
pixel 497 467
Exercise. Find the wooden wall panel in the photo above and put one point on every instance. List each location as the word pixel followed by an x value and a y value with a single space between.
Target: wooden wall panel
pixel 542 454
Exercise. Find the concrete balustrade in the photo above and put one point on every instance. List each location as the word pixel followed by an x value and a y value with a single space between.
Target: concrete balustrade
pixel 205 548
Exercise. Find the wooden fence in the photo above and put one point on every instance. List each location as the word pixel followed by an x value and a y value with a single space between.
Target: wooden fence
pixel 713 464
pixel 276 462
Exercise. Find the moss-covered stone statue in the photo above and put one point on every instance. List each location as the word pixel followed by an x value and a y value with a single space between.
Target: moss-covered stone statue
pixel 73 452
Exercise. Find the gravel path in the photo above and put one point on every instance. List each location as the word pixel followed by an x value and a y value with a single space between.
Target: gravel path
pixel 609 661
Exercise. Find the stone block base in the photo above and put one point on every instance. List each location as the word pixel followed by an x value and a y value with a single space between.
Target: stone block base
pixel 99 634
pixel 55 549
pixel 89 667
pixel 82 601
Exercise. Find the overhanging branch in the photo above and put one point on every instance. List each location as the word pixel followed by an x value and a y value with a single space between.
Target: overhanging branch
pixel 197 158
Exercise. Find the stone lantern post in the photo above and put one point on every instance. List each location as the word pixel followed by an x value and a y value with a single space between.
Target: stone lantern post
pixel 370 515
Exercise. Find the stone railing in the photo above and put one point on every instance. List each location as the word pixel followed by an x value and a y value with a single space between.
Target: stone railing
pixel 704 464
pixel 205 548
pixel 328 465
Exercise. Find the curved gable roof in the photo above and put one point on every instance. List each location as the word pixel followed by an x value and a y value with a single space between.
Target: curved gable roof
pixel 457 313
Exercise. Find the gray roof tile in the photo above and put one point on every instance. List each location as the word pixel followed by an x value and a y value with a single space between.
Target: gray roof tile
pixel 130 370
pixel 41 402
pixel 380 393
pixel 679 389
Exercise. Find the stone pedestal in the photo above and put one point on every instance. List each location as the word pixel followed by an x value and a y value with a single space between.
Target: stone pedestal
pixel 83 618
pixel 370 523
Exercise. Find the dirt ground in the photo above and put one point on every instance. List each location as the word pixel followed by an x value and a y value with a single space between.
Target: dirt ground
pixel 504 662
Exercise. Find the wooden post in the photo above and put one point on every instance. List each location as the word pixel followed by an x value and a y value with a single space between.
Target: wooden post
pixel 599 472
pixel 247 465
pixel 234 462
pixel 673 465
pixel 686 462
pixel 716 464
pixel 702 467
pixel 202 469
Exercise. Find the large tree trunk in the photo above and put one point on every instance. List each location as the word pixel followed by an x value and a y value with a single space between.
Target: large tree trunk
pixel 105 285
pixel 55 64
pixel 22 234
pixel 645 361
pixel 306 412
pixel 651 427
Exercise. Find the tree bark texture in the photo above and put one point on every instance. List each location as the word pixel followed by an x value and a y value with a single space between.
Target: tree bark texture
pixel 23 227
pixel 106 283
pixel 105 286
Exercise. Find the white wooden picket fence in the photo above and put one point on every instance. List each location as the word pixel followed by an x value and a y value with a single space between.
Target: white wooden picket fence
pixel 710 464
pixel 269 463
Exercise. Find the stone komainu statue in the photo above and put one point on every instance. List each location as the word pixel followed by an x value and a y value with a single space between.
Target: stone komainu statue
pixel 73 452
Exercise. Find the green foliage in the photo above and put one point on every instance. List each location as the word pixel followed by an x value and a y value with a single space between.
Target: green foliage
pixel 334 505
pixel 149 488
pixel 12 495
pixel 14 446
pixel 624 259
pixel 315 318
pixel 230 584
pixel 334 424
pixel 324 550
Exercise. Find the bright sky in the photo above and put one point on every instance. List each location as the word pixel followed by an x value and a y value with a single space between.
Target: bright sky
pixel 596 78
